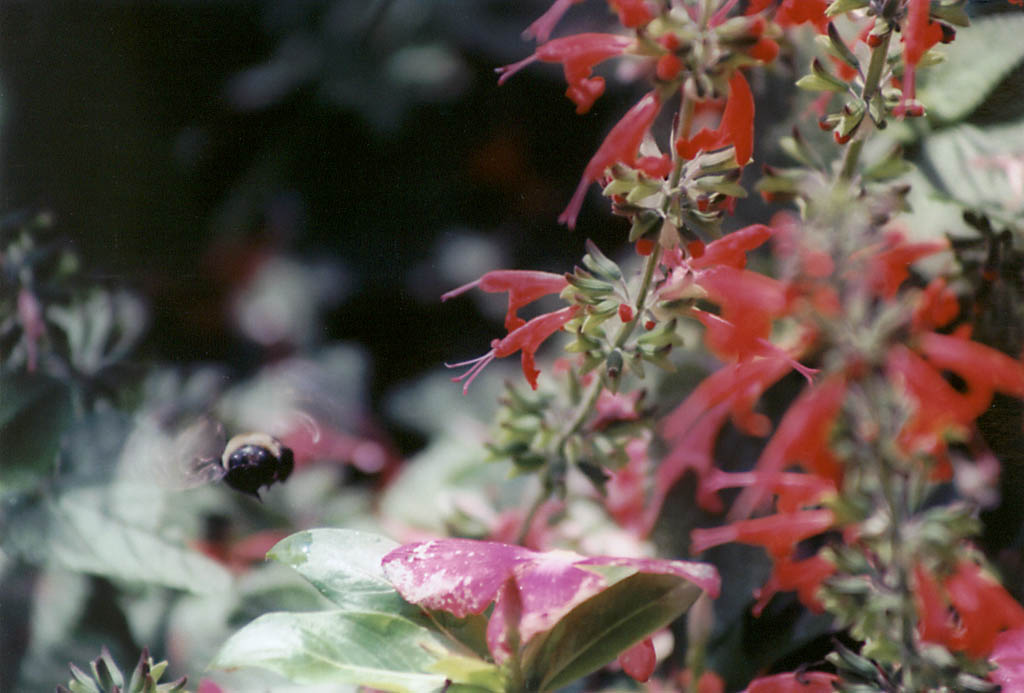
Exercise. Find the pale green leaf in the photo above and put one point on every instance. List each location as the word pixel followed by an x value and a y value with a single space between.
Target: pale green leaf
pixel 78 532
pixel 382 651
pixel 344 565
pixel 977 61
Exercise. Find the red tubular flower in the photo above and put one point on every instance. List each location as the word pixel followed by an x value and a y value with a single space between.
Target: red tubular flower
pixel 526 338
pixel 933 624
pixel 937 308
pixel 639 661
pixel 737 385
pixel 633 14
pixel 731 342
pixel 578 55
pixel 749 303
pixel 691 450
pixel 889 267
pixel 620 146
pixel 799 682
pixel 940 412
pixel 796 12
pixel 541 29
pixel 982 367
pixel 765 50
pixel 626 496
pixel 801 438
pixel 735 129
pixel 919 34
pixel 778 534
pixel 732 248
pixel 523 287
pixel 984 607
pixel 805 577
pixel 793 490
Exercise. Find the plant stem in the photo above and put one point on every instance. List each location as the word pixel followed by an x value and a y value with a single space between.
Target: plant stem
pixel 879 55
pixel 586 407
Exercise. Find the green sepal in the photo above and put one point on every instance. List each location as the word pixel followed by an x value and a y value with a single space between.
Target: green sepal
pixel 642 190
pixel 776 185
pixel 600 264
pixel 821 79
pixel 839 7
pixel 721 185
pixel 618 186
pixel 718 162
pixel 853 116
pixel 797 148
pixel 592 361
pixel 663 334
pixel 851 664
pixel 644 223
pixel 586 282
pixel 833 43
pixel 584 343
pixel 878 111
pixel 592 328
pixel 951 13
pixel 636 364
pixel 974 684
pixel 659 358
pixel 613 365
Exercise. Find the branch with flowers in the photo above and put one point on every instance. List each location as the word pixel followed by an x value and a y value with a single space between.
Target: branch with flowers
pixel 867 330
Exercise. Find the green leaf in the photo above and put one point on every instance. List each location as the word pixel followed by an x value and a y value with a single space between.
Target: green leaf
pixel 976 166
pixel 34 411
pixel 383 651
pixel 974 66
pixel 599 629
pixel 18 391
pixel 472 673
pixel 343 565
pixel 78 531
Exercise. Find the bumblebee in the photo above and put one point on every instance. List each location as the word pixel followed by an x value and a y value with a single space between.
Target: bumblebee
pixel 252 460
pixel 198 455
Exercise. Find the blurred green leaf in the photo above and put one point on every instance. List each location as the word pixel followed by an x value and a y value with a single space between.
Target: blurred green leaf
pixel 77 531
pixel 982 55
pixel 978 166
pixel 382 651
pixel 34 411
pixel 19 391
pixel 599 629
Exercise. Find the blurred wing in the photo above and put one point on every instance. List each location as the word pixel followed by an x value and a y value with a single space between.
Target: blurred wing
pixel 312 396
pixel 185 459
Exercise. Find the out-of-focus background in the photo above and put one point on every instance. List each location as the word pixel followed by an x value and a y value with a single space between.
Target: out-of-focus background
pixel 181 144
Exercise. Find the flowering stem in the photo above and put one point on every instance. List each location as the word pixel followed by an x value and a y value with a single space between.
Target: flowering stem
pixel 879 54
